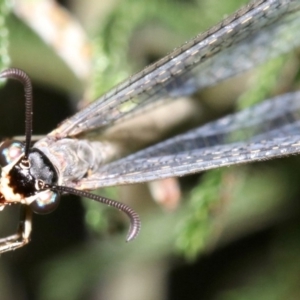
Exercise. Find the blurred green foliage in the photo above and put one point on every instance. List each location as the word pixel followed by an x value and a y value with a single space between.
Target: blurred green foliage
pixel 4 56
pixel 226 204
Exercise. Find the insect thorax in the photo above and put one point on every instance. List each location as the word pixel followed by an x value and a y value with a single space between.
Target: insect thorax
pixel 75 159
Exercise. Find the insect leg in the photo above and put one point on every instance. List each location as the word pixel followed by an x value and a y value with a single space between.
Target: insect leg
pixel 22 236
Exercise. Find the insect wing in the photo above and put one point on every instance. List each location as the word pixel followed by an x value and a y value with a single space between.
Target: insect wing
pixel 255 33
pixel 270 129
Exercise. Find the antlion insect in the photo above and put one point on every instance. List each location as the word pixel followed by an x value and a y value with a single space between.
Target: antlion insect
pixel 60 163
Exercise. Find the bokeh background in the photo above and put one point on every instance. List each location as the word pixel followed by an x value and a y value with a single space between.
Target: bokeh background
pixel 228 234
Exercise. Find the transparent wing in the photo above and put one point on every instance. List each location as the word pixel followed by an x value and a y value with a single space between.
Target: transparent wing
pixel 255 33
pixel 270 129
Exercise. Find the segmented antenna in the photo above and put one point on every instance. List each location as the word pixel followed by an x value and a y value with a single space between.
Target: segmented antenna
pixel 135 222
pixel 21 76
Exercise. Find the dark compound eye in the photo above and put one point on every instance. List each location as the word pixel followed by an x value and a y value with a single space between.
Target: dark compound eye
pixel 9 151
pixel 46 203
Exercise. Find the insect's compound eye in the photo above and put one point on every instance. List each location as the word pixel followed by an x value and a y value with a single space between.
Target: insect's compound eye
pixel 46 203
pixel 9 151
